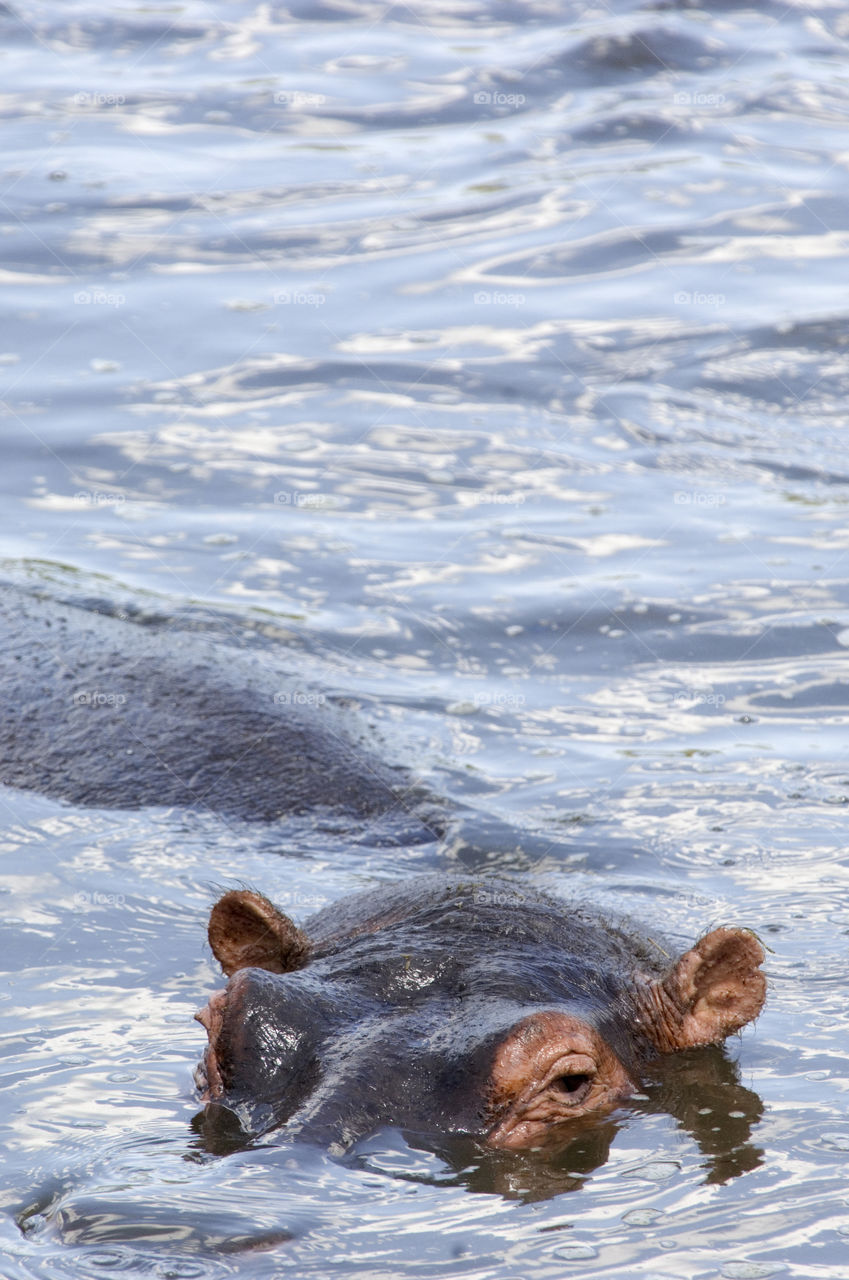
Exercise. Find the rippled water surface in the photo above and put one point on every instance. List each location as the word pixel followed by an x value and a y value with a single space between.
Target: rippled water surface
pixel 488 364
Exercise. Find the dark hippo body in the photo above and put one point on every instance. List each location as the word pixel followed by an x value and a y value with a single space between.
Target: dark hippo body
pixel 107 711
pixel 455 1007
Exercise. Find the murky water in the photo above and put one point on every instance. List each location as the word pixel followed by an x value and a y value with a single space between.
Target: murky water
pixel 489 363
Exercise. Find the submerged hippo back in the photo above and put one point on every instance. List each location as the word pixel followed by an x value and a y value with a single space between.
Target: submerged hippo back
pixel 100 710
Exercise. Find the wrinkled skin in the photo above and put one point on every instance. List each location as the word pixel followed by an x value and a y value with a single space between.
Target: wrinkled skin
pixel 456 1008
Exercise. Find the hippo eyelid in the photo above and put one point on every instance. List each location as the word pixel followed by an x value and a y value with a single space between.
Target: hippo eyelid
pixel 571 1076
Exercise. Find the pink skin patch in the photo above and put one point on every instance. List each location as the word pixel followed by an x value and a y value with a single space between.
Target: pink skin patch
pixel 208 1074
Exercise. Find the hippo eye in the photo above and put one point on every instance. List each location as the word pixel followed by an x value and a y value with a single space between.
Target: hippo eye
pixel 572 1088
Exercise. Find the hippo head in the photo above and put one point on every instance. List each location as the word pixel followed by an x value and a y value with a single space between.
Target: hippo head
pixel 454 1007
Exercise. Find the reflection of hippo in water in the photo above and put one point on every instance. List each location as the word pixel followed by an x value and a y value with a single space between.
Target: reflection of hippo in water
pixel 454 1007
pixel 101 710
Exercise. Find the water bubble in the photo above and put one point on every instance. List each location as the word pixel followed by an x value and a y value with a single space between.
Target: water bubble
pixel 641 1217
pixel 748 1270
pixel 575 1252
pixel 180 1270
pixel 107 1260
pixel 836 1141
pixel 655 1170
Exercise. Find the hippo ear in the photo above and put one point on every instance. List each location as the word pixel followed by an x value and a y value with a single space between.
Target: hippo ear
pixel 246 930
pixel 712 990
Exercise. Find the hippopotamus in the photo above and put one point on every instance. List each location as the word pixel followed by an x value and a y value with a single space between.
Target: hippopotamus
pixel 126 708
pixel 454 1006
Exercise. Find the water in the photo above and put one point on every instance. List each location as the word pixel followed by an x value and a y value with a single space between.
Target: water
pixel 490 361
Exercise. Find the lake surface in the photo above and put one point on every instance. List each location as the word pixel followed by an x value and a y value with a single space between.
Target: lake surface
pixel 489 363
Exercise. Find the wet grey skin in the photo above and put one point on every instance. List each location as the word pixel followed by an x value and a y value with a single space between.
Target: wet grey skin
pixel 112 712
pixel 454 1007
